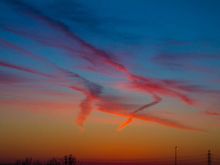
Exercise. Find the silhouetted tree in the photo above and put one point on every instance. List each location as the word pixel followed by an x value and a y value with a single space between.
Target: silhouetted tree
pixel 18 162
pixel 53 162
pixel 27 161
pixel 37 162
pixel 65 160
pixel 69 160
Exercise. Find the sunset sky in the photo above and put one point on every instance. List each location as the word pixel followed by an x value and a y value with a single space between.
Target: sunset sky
pixel 109 79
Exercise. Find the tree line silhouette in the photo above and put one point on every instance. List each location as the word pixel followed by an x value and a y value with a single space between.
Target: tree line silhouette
pixel 199 159
pixel 66 160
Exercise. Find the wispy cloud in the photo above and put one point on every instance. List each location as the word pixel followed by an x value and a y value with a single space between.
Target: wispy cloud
pixel 186 61
pixel 157 99
pixel 152 119
pixel 23 69
pixel 10 78
pixel 212 113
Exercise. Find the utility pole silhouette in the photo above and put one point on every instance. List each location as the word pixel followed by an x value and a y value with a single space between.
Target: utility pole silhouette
pixel 209 158
pixel 175 161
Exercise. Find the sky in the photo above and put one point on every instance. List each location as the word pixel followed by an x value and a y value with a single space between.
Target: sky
pixel 119 79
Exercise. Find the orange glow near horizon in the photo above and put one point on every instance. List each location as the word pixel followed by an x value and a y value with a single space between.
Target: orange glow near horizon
pixel 55 135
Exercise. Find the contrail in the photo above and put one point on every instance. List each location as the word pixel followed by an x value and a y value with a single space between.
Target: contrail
pixel 102 55
pixel 27 70
pixel 91 91
pixel 153 119
pixel 85 106
pixel 157 99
